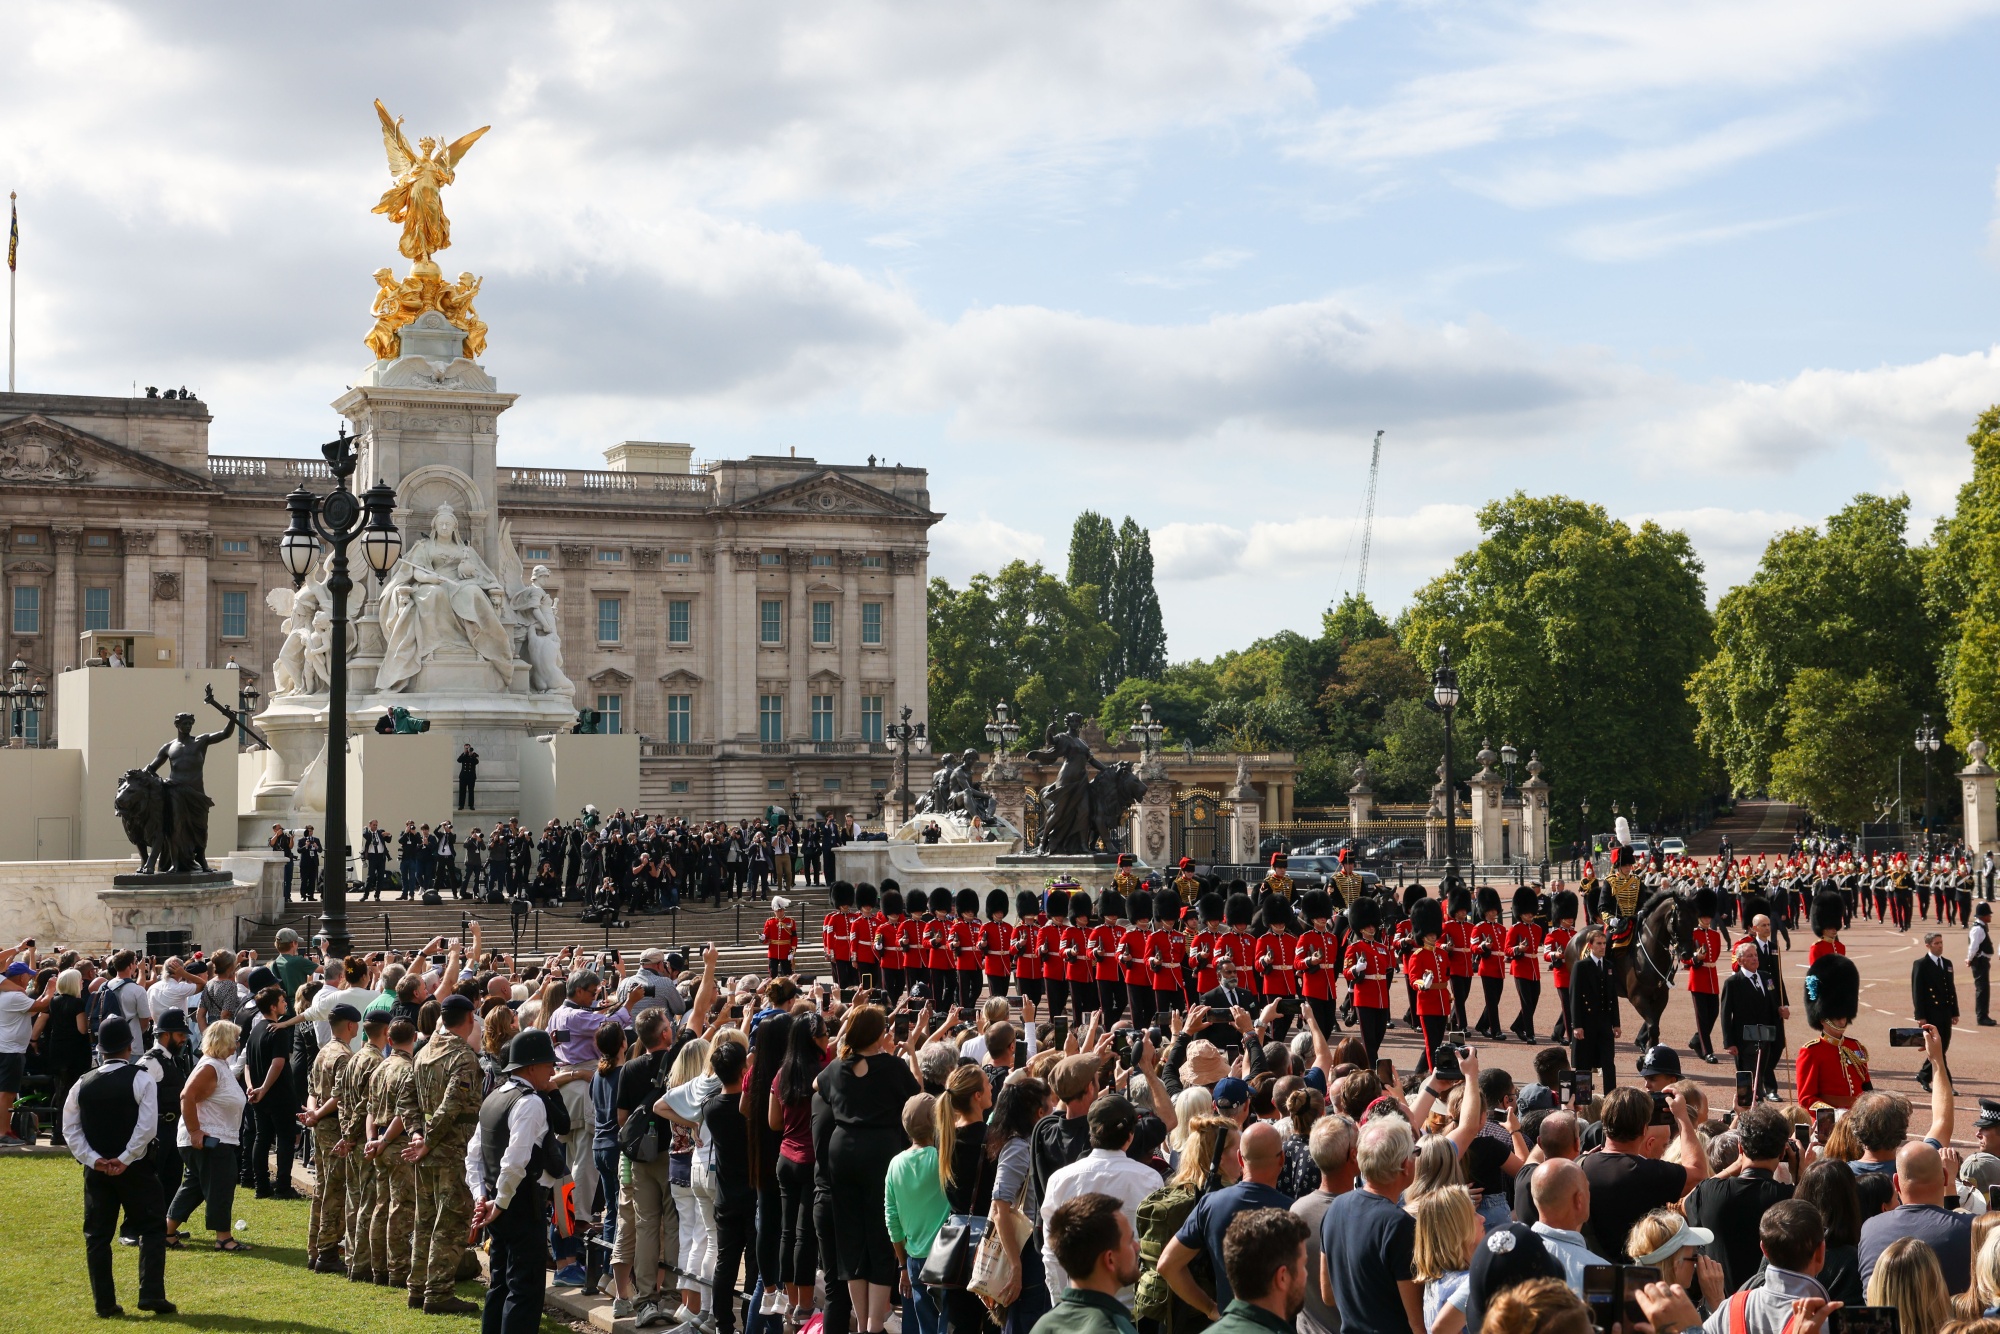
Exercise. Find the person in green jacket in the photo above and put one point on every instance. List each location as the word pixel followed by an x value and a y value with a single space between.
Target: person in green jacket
pixel 914 1204
pixel 1264 1255
pixel 1094 1243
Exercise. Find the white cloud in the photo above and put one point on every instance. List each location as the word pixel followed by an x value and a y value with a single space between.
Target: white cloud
pixel 963 547
pixel 1731 542
pixel 1311 544
pixel 1645 238
pixel 1193 272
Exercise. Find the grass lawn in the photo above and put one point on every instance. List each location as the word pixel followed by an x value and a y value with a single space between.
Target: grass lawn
pixel 43 1286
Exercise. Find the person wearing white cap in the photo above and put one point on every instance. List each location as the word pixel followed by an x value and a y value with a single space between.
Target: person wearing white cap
pixel 781 936
pixel 1668 1242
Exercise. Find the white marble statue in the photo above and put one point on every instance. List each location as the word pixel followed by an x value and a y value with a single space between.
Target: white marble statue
pixel 302 664
pixel 541 636
pixel 441 597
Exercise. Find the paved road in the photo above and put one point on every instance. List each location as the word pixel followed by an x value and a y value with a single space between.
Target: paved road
pixel 1755 828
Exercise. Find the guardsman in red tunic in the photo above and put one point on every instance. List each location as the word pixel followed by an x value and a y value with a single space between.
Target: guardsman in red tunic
pixel 1106 939
pixel 1829 910
pixel 1133 960
pixel 866 923
pixel 1317 955
pixel 1166 954
pixel 1461 950
pixel 1555 952
pixel 1708 947
pixel 1489 942
pixel 1275 950
pixel 1205 949
pixel 967 958
pixel 1368 964
pixel 836 934
pixel 1524 962
pixel 1426 971
pixel 1050 948
pixel 781 936
pixel 889 943
pixel 1076 959
pixel 1832 1068
pixel 1399 941
pixel 943 960
pixel 1238 944
pixel 1026 943
pixel 996 942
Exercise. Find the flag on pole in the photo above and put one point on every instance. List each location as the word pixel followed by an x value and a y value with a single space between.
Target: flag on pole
pixel 13 231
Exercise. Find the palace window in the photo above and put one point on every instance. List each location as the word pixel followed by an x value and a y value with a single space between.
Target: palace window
pixel 774 785
pixel 871 562
pixel 97 609
pixel 879 784
pixel 770 622
pixel 770 558
pixel 822 561
pixel 680 558
pixel 871 622
pixel 235 614
pixel 871 717
pixel 680 621
pixel 677 785
pixel 27 610
pixel 610 557
pixel 680 717
pixel 535 553
pixel 829 785
pixel 98 541
pixel 611 714
pixel 822 717
pixel 770 718
pixel 235 546
pixel 822 622
pixel 609 611
pixel 27 539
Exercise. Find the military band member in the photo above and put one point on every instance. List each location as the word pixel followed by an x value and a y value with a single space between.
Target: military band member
pixel 1368 963
pixel 1205 949
pixel 1077 959
pixel 331 1159
pixel 1318 955
pixel 1902 885
pixel 1107 938
pixel 1348 885
pixel 1750 1029
pixel 365 1264
pixel 996 943
pixel 1051 949
pixel 1278 883
pixel 1126 880
pixel 1489 943
pixel 1832 1069
pixel 1707 947
pixel 1460 951
pixel 1825 918
pixel 1187 885
pixel 1555 953
pixel 1133 957
pixel 1523 946
pixel 1426 972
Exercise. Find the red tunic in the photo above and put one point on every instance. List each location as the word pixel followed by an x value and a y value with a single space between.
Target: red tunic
pixel 1166 951
pixel 1104 942
pixel 1823 947
pixel 1368 966
pixel 1133 947
pixel 1710 945
pixel 1490 938
pixel 889 940
pixel 1426 973
pixel 1027 949
pixel 781 937
pixel 937 941
pixel 1076 952
pixel 1316 979
pixel 1241 947
pixel 836 932
pixel 1274 962
pixel 996 943
pixel 965 936
pixel 866 928
pixel 1459 948
pixel 1555 948
pixel 1524 946
pixel 1833 1075
pixel 1207 950
pixel 1049 944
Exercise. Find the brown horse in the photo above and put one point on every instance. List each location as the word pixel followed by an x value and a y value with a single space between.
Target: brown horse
pixel 1643 969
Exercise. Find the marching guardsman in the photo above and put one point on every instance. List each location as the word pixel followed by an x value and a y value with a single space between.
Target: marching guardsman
pixel 1133 957
pixel 1368 964
pixel 836 933
pixel 1126 880
pixel 331 1158
pixel 1166 955
pixel 1317 954
pixel 889 942
pixel 1051 945
pixel 967 957
pixel 514 1159
pixel 1524 960
pixel 1205 948
pixel 1489 943
pixel 364 1263
pixel 1400 941
pixel 1708 947
pixel 1275 951
pixel 996 943
pixel 1921 877
pixel 1188 885
pixel 866 921
pixel 1107 938
pixel 1426 971
pixel 1277 884
pixel 393 1115
pixel 1238 945
pixel 1902 884
pixel 940 963
pixel 448 1080
pixel 1461 950
pixel 1555 953
pixel 1028 922
pixel 1827 911
pixel 1076 956
pixel 1832 1069
pixel 1348 886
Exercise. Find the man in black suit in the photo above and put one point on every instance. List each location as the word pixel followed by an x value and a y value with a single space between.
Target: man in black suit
pixel 1593 1007
pixel 1750 1029
pixel 1229 993
pixel 1933 996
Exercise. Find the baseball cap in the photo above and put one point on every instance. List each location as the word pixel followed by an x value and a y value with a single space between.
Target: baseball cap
pixel 287 936
pixel 653 956
pixel 1231 1092
pixel 1685 1234
pixel 1660 1060
pixel 1980 1170
pixel 18 969
pixel 1535 1098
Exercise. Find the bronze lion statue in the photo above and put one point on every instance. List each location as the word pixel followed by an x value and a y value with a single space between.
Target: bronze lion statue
pixel 141 804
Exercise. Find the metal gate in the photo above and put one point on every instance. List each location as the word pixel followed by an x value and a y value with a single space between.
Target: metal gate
pixel 1195 822
pixel 1031 818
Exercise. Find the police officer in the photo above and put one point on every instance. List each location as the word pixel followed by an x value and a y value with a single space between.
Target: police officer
pixel 331 1154
pixel 109 1120
pixel 169 1061
pixel 514 1158
pixel 448 1083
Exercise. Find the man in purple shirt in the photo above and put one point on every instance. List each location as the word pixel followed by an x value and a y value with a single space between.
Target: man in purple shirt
pixel 573 1027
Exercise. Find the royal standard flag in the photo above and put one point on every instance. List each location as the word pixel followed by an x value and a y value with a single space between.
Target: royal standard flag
pixel 13 232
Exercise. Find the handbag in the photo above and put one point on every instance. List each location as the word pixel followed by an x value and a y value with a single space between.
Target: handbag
pixel 949 1264
pixel 996 1266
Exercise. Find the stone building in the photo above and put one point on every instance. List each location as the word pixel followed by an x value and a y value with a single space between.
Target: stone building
pixel 755 620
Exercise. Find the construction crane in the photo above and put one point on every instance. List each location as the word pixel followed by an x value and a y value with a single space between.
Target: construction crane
pixel 1368 519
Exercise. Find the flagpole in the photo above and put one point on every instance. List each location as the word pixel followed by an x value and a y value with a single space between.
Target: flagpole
pixel 13 231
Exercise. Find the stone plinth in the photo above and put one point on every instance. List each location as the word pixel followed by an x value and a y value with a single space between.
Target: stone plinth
pixel 1977 781
pixel 975 866
pixel 75 904
pixel 117 718
pixel 392 778
pixel 562 773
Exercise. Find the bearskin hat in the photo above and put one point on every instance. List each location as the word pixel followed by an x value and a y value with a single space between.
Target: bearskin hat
pixel 1457 900
pixel 892 902
pixel 1278 914
pixel 1238 887
pixel 1110 904
pixel 1210 907
pixel 865 896
pixel 1411 895
pixel 996 903
pixel 1238 910
pixel 1124 859
pixel 1026 904
pixel 1426 918
pixel 1364 912
pixel 1563 907
pixel 1829 911
pixel 1079 906
pixel 1315 904
pixel 1524 903
pixel 1489 900
pixel 843 894
pixel 1139 905
pixel 1059 903
pixel 889 883
pixel 967 900
pixel 1705 902
pixel 941 900
pixel 1833 990
pixel 1753 904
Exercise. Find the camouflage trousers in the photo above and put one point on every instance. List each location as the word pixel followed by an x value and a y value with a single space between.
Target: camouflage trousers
pixel 362 1257
pixel 329 1202
pixel 443 1217
pixel 395 1214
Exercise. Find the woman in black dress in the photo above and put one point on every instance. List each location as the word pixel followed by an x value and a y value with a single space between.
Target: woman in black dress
pixel 865 1090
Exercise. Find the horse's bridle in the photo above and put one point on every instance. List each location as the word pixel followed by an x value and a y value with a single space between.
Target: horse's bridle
pixel 1673 931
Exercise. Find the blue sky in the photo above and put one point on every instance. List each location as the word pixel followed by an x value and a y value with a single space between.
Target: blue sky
pixel 1723 265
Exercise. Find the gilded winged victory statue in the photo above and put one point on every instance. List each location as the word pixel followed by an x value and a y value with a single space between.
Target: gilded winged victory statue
pixel 416 199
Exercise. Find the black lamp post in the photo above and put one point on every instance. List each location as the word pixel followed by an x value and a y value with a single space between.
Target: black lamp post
pixel 1444 697
pixel 16 692
pixel 247 696
pixel 1507 757
pixel 1927 746
pixel 338 518
pixel 906 735
pixel 1582 833
pixel 1001 729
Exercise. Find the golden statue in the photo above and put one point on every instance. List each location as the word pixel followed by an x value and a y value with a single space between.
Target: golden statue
pixel 416 203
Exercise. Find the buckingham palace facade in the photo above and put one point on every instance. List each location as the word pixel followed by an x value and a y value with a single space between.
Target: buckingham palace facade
pixel 757 621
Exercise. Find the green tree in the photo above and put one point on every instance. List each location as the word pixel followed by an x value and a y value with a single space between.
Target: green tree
pixel 1403 767
pixel 1135 606
pixel 1093 558
pixel 1023 636
pixel 1574 635
pixel 1843 736
pixel 1178 704
pixel 1354 619
pixel 1962 583
pixel 1850 600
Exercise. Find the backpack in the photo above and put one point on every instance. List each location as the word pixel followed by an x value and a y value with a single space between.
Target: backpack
pixel 639 1137
pixel 104 1004
pixel 1161 1215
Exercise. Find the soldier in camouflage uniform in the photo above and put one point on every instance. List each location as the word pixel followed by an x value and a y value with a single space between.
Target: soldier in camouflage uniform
pixel 448 1089
pixel 364 1262
pixel 330 1152
pixel 393 1115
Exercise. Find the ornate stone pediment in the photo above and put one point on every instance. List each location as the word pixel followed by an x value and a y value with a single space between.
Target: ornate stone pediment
pixel 610 676
pixel 35 448
pixel 830 495
pixel 680 679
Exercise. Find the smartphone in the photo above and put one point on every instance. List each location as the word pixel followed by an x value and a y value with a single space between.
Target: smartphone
pixel 1823 1120
pixel 1746 1081
pixel 1121 1043
pixel 1288 1006
pixel 1580 1086
pixel 868 981
pixel 1663 1112
pixel 1993 1199
pixel 1866 1320
pixel 1020 1053
pixel 1803 1134
pixel 902 1025
pixel 1612 1293
pixel 1906 1037
pixel 1385 1071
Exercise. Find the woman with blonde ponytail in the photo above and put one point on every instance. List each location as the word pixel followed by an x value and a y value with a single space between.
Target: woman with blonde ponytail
pixel 965 1171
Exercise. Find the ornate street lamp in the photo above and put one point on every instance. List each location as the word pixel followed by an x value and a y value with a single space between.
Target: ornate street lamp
pixel 1582 833
pixel 906 736
pixel 1146 729
pixel 1507 757
pixel 246 703
pixel 337 518
pixel 38 695
pixel 1927 746
pixel 16 691
pixel 1444 698
pixel 1001 729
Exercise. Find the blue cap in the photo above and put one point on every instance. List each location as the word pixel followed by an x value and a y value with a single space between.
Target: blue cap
pixel 1230 1092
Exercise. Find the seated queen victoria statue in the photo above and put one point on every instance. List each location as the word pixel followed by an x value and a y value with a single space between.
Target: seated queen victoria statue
pixel 441 598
